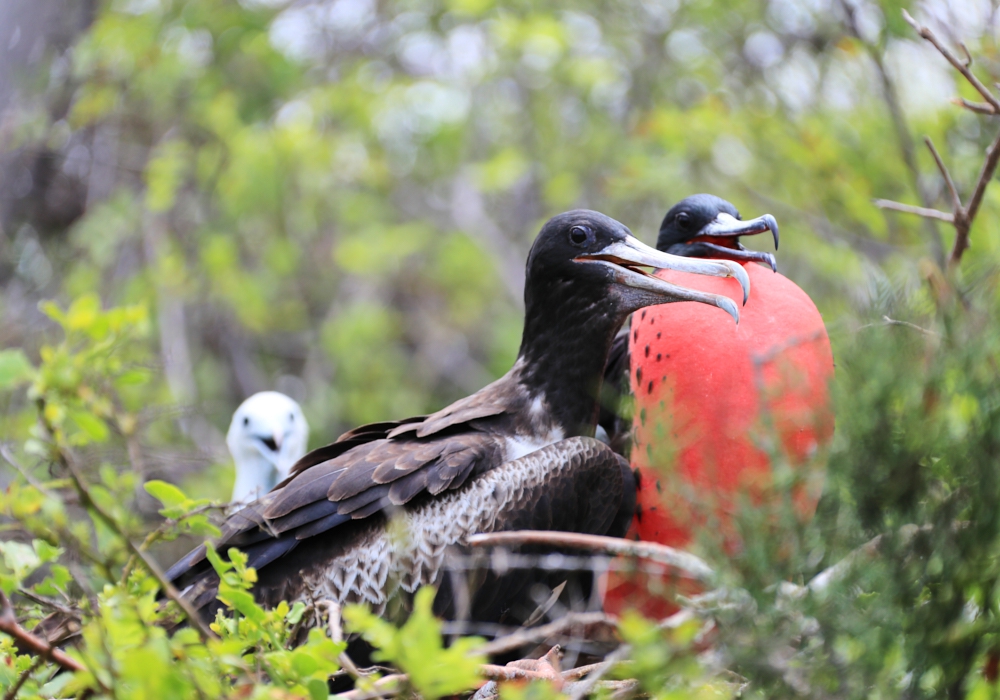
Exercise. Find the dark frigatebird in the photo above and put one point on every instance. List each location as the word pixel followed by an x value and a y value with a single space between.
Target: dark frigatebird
pixel 699 226
pixel 369 517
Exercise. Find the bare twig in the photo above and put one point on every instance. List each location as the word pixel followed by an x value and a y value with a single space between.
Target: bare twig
pixel 587 684
pixel 960 66
pixel 388 685
pixel 12 461
pixel 689 564
pixel 977 107
pixel 9 625
pixel 956 200
pixel 918 211
pixel 541 633
pixel 68 462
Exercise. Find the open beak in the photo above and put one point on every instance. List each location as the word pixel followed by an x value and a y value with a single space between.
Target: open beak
pixel 625 257
pixel 727 229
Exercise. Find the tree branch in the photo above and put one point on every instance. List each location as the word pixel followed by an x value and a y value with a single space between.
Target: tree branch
pixel 542 632
pixel 911 209
pixel 691 565
pixel 956 200
pixel 36 645
pixel 960 66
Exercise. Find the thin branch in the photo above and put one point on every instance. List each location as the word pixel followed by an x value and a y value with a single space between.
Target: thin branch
pixel 985 175
pixel 22 679
pixel 518 639
pixel 918 211
pixel 960 66
pixel 587 684
pixel 977 107
pixel 36 645
pixel 12 461
pixel 956 200
pixel 67 461
pixel 691 565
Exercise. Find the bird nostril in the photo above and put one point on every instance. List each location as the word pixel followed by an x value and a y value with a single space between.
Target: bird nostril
pixel 271 444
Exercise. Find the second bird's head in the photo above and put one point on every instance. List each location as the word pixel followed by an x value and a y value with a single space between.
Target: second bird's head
pixel 706 226
pixel 584 262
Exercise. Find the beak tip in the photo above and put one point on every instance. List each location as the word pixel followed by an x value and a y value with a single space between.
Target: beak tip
pixel 772 224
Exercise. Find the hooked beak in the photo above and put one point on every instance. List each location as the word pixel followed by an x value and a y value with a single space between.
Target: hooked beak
pixel 272 443
pixel 727 229
pixel 625 256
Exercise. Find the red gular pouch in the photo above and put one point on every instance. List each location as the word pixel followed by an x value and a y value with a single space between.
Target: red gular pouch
pixel 709 398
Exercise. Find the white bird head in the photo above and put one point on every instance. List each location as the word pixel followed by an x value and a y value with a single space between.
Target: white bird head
pixel 267 437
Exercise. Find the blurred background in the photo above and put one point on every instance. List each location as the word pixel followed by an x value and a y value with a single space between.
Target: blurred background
pixel 336 199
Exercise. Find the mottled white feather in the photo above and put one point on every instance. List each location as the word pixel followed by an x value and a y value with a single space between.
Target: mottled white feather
pixel 267 436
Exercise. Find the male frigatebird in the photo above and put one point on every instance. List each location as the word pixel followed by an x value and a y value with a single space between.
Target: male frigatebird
pixel 699 226
pixel 701 397
pixel 370 517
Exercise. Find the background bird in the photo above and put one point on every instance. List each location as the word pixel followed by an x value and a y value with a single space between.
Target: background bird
pixel 517 454
pixel 268 434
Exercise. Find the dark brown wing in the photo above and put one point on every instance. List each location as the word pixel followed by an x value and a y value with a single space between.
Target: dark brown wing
pixel 491 400
pixel 365 470
pixel 576 485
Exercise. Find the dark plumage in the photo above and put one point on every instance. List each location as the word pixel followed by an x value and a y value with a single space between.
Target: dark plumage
pixel 519 453
pixel 699 226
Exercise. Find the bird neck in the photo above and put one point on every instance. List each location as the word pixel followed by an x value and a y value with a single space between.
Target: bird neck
pixel 255 476
pixel 563 352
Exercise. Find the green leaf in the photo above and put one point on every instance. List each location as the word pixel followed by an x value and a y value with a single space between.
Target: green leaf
pixel 167 494
pixel 318 689
pixel 92 426
pixel 14 368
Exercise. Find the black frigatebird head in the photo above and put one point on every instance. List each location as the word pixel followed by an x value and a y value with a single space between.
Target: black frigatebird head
pixel 706 226
pixel 584 277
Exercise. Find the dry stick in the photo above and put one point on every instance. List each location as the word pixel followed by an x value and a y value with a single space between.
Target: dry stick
pixel 67 461
pixel 956 200
pixel 9 624
pixel 912 209
pixel 961 67
pixel 542 632
pixel 587 684
pixel 691 565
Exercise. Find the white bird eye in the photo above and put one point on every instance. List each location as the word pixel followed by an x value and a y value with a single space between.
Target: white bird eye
pixel 291 417
pixel 246 420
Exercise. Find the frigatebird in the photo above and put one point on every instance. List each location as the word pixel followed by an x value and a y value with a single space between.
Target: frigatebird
pixel 369 517
pixel 698 226
pixel 267 436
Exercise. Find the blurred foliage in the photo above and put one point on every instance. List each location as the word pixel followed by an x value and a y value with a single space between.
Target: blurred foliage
pixel 335 199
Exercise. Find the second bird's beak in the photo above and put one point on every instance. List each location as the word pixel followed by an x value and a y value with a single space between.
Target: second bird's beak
pixel 625 256
pixel 729 229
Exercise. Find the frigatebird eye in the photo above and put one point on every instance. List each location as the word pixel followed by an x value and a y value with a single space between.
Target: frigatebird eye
pixel 579 235
pixel 683 219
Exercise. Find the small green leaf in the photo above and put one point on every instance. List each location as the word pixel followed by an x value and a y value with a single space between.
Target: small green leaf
pixel 92 426
pixel 318 689
pixel 167 494
pixel 14 368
